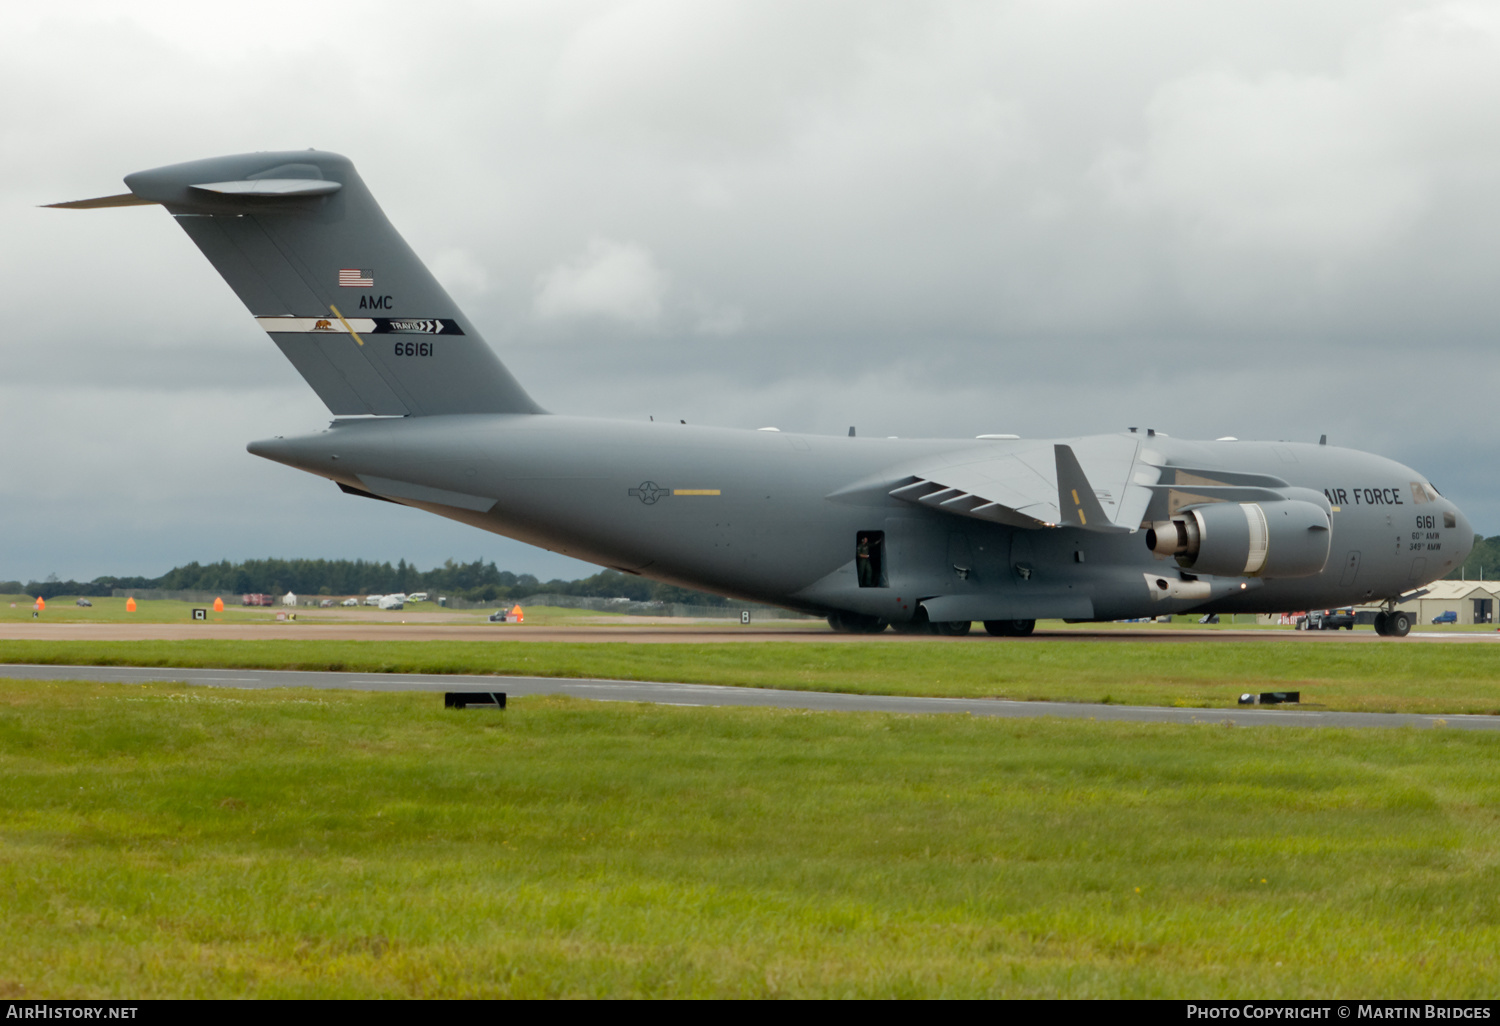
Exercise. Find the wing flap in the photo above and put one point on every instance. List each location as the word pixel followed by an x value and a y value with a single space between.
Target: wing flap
pixel 1097 484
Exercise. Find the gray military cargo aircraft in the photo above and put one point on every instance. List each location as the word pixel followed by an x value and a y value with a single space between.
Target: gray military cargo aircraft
pixel 919 534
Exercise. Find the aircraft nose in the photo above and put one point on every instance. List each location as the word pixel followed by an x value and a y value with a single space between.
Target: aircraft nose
pixel 1465 539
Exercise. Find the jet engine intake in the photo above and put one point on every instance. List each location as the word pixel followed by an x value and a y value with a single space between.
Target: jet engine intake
pixel 1286 538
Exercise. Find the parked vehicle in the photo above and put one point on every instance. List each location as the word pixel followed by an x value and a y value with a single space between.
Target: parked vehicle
pixel 393 602
pixel 1446 616
pixel 84 604
pixel 373 600
pixel 256 600
pixel 1327 620
pixel 350 602
pixel 417 596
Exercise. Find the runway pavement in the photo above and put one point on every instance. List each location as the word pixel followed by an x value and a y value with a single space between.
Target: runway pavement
pixel 714 695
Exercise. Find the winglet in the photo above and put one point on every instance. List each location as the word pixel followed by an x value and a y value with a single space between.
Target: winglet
pixel 1076 501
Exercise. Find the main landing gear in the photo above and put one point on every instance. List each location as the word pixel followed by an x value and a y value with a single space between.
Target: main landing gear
pixel 919 624
pixel 856 623
pixel 859 623
pixel 1009 628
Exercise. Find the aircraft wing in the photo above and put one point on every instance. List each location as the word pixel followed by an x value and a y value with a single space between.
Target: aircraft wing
pixel 1098 484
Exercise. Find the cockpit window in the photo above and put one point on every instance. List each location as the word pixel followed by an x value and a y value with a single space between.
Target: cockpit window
pixel 1421 493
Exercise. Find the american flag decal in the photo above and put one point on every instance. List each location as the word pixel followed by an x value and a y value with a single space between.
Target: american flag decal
pixel 352 278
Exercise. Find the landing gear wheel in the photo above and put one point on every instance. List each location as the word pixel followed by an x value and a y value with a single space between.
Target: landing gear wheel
pixel 1398 624
pixel 952 628
pixel 1382 623
pixel 1009 628
pixel 918 624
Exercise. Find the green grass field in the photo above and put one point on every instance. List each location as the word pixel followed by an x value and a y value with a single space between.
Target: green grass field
pixel 1390 676
pixel 162 841
pixel 15 608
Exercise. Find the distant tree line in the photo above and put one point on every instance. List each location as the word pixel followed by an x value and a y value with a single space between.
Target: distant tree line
pixel 1483 562
pixel 477 581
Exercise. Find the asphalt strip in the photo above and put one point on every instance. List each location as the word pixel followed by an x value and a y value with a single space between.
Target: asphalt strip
pixel 718 695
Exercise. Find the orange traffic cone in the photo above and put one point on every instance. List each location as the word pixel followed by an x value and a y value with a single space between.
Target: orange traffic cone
pixel 519 614
pixel 41 603
pixel 218 605
pixel 130 605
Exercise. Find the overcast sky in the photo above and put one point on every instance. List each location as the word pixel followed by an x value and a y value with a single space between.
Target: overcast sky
pixel 1262 219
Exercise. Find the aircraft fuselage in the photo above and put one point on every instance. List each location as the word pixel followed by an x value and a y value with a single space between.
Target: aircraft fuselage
pixel 770 516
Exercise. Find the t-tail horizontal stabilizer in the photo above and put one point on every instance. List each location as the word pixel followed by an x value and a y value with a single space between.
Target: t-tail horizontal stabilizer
pixel 1076 501
pixel 127 199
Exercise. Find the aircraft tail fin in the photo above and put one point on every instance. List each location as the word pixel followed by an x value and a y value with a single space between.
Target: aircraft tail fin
pixel 301 241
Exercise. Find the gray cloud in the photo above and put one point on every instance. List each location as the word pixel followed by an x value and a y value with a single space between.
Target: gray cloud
pixel 609 281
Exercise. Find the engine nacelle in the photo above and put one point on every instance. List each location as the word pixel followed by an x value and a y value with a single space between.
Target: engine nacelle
pixel 1285 538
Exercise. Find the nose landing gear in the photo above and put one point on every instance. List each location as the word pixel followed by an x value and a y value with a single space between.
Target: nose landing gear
pixel 1392 623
